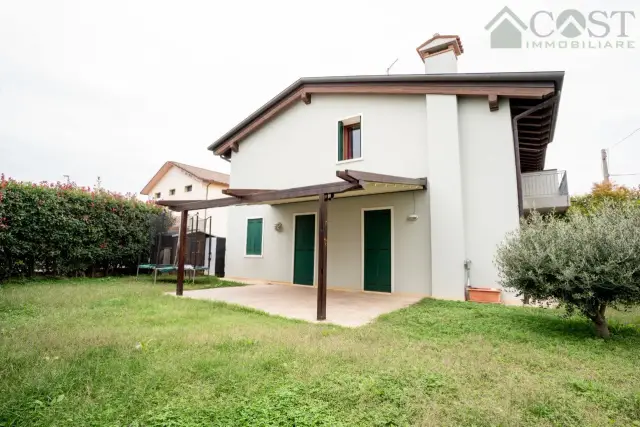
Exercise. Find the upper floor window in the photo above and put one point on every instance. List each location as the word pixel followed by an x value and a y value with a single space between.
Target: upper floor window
pixel 350 139
pixel 188 188
pixel 172 192
pixel 158 195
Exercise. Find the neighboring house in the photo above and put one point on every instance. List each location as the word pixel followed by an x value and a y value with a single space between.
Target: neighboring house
pixel 420 173
pixel 178 181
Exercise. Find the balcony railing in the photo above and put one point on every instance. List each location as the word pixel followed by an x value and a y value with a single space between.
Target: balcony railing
pixel 545 190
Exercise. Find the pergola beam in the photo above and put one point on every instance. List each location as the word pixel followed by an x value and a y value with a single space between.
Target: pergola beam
pixel 194 205
pixel 322 257
pixel 293 193
pixel 353 180
pixel 242 192
pixel 182 241
pixel 384 179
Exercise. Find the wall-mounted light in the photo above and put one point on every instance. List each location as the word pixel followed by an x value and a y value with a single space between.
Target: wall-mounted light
pixel 278 226
pixel 412 217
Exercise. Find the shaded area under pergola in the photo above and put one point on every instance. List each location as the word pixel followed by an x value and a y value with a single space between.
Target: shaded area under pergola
pixel 354 183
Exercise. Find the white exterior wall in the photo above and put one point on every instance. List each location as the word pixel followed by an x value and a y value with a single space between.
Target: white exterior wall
pixel 300 146
pixel 445 192
pixel 178 179
pixel 465 150
pixel 411 246
pixel 489 184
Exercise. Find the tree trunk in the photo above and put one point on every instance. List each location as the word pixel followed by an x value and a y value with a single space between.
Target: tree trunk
pixel 602 328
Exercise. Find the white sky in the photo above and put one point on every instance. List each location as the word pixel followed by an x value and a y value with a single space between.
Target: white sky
pixel 114 89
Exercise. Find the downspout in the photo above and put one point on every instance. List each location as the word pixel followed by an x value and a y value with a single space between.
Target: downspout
pixel 206 197
pixel 516 143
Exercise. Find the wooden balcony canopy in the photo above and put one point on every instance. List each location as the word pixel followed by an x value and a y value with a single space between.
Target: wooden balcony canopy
pixel 354 183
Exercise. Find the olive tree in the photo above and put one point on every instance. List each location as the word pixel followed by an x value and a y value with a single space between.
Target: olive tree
pixel 587 261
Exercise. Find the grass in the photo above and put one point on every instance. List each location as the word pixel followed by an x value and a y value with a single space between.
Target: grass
pixel 120 353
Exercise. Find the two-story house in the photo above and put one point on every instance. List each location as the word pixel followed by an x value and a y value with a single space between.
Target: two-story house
pixel 179 182
pixel 400 183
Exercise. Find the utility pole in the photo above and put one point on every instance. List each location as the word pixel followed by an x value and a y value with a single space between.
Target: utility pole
pixel 605 165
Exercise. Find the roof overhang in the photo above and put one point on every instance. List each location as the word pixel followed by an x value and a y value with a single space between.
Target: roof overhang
pixel 166 167
pixel 354 183
pixel 534 86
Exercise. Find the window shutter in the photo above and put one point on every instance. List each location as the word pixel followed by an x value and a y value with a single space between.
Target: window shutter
pixel 340 141
pixel 254 237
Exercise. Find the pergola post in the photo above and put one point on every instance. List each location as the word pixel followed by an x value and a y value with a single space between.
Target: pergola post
pixel 322 257
pixel 182 240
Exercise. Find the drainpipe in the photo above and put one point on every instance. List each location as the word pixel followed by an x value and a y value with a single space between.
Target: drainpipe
pixel 467 270
pixel 206 197
pixel 516 143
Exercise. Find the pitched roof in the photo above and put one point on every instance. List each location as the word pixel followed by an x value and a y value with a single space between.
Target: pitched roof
pixel 305 86
pixel 204 175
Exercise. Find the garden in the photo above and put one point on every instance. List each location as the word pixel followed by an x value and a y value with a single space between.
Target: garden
pixel 113 351
pixel 80 346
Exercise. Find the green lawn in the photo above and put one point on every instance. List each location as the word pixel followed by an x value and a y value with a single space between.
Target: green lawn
pixel 116 352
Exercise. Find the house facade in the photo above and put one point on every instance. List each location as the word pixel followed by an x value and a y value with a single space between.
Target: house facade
pixel 179 181
pixel 419 177
pixel 205 242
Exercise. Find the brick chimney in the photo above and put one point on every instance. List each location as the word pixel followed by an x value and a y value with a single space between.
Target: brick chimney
pixel 440 54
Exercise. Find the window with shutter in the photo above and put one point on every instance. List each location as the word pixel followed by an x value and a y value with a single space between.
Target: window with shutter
pixel 254 237
pixel 350 139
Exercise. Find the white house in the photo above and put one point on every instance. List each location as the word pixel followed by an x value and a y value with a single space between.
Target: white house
pixel 181 182
pixel 178 181
pixel 400 183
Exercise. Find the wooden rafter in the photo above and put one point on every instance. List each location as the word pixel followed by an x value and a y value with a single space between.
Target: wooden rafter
pixel 241 192
pixel 493 102
pixel 304 92
pixel 352 180
pixel 385 179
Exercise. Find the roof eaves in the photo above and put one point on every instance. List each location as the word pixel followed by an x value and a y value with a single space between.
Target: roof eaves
pixel 555 76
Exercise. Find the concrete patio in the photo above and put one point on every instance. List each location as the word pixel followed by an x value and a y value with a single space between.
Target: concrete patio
pixel 344 308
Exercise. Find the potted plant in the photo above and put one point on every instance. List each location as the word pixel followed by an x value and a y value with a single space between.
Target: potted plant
pixel 490 295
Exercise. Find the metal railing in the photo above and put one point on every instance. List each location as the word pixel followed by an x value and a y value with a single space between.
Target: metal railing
pixel 545 183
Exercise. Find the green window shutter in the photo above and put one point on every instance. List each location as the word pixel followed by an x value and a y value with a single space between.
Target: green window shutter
pixel 254 236
pixel 340 141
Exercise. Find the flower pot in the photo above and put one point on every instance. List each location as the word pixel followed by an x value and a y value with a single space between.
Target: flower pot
pixel 489 295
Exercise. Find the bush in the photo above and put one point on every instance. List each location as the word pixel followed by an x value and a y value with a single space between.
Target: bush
pixel 65 230
pixel 605 192
pixel 588 261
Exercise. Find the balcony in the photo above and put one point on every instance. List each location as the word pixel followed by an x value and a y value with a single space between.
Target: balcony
pixel 545 191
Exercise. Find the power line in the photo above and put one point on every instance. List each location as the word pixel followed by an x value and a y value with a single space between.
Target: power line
pixel 625 174
pixel 625 138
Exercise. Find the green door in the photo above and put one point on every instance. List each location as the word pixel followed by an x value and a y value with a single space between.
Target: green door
pixel 377 250
pixel 304 249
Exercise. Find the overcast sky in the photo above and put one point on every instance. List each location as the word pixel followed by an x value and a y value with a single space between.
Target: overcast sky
pixel 114 89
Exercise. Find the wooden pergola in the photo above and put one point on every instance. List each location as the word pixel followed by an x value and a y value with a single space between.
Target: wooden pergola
pixel 354 183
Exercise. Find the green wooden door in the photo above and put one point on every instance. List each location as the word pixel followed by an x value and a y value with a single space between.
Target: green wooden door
pixel 377 250
pixel 304 249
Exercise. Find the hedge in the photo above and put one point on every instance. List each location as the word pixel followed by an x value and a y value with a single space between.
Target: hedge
pixel 65 230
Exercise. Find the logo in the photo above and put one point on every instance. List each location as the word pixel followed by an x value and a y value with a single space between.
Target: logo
pixel 569 29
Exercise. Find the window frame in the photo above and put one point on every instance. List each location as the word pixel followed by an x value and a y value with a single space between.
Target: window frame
pixel 188 188
pixel 355 159
pixel 246 235
pixel 158 195
pixel 172 192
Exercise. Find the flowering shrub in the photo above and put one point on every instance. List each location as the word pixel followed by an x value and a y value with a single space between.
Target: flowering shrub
pixel 588 261
pixel 602 192
pixel 63 229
